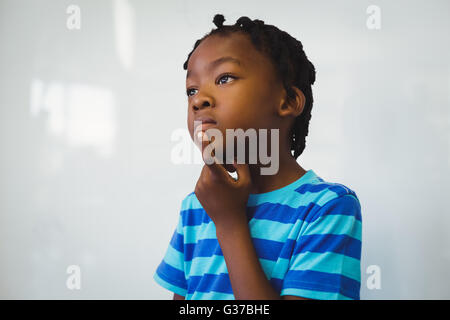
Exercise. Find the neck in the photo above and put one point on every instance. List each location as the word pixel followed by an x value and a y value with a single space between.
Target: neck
pixel 289 171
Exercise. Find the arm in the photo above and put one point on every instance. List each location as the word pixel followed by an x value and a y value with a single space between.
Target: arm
pixel 242 261
pixel 170 272
pixel 224 200
pixel 177 297
pixel 247 277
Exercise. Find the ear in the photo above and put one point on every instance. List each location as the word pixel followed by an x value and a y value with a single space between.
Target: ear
pixel 292 106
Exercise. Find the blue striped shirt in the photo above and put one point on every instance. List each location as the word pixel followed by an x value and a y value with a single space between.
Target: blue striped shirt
pixel 307 236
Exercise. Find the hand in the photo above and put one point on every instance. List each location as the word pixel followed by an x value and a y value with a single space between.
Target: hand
pixel 223 198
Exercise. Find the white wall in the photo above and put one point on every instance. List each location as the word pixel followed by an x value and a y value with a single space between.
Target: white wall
pixel 86 117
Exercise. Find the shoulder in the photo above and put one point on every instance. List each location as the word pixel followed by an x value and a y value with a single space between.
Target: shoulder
pixel 329 198
pixel 191 211
pixel 190 201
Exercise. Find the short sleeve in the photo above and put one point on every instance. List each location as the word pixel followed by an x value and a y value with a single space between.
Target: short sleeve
pixel 326 260
pixel 170 272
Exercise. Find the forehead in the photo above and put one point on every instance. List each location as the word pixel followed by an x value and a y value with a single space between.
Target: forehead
pixel 236 45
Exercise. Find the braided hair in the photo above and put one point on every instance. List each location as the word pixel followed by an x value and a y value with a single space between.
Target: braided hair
pixel 289 59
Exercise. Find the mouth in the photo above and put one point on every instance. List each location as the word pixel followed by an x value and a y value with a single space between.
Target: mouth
pixel 204 124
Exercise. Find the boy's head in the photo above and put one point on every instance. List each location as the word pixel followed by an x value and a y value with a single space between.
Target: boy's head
pixel 266 85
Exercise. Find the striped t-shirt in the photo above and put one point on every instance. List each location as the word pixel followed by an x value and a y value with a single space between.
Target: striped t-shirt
pixel 307 236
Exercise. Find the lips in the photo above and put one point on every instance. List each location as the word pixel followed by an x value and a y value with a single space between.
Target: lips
pixel 203 123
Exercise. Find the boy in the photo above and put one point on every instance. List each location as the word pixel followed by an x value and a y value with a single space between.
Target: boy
pixel 289 235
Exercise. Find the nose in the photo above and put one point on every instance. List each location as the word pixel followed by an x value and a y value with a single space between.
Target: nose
pixel 201 102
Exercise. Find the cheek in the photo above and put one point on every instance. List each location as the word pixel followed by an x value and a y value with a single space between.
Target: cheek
pixel 190 125
pixel 236 116
pixel 251 117
pixel 254 113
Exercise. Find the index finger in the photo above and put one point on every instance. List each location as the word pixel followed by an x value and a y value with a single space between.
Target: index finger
pixel 219 170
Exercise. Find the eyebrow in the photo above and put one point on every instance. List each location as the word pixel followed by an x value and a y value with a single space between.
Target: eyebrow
pixel 217 62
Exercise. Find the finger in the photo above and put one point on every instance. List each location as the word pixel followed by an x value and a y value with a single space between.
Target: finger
pixel 243 173
pixel 217 171
pixel 203 140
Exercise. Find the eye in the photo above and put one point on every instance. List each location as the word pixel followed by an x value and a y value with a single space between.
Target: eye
pixel 187 92
pixel 226 76
pixel 220 78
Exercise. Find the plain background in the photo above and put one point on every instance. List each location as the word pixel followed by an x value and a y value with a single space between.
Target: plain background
pixel 86 118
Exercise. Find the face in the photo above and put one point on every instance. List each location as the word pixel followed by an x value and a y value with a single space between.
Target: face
pixel 241 93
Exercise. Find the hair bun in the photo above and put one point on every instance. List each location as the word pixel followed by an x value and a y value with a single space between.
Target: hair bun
pixel 245 22
pixel 219 20
pixel 259 23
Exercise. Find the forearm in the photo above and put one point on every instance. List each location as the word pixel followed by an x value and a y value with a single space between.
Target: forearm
pixel 247 277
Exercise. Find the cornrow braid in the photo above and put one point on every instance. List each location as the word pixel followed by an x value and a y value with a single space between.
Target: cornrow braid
pixel 289 59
